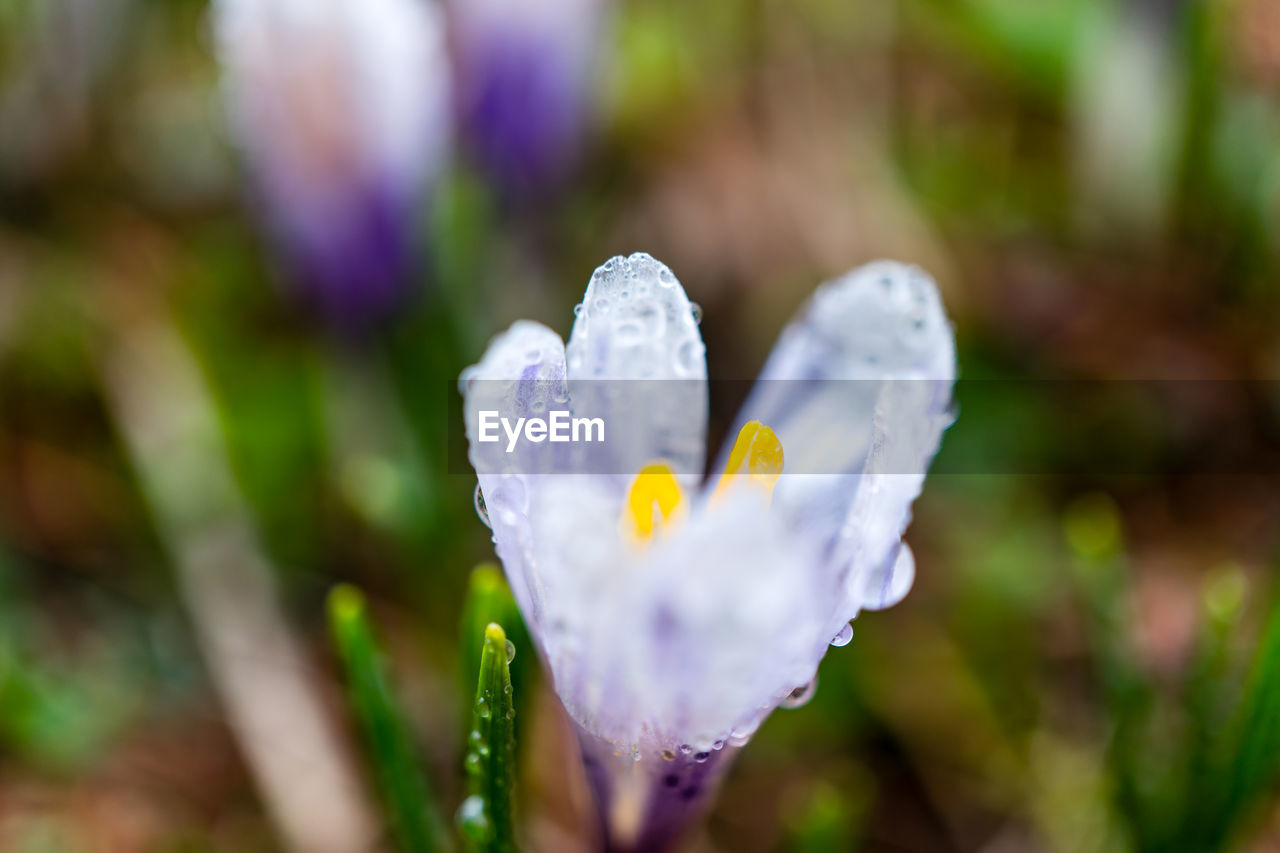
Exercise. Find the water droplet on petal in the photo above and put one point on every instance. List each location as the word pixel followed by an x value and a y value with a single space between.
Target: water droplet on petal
pixel 718 745
pixel 511 651
pixel 465 378
pixel 578 309
pixel 742 734
pixel 843 638
pixel 481 509
pixel 688 356
pixel 472 820
pixel 697 312
pixel 702 757
pixel 685 749
pixel 801 695
pixel 628 332
pixel 651 318
pixel 668 755
pixel 666 278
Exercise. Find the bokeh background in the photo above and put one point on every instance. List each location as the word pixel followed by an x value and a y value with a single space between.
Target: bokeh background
pixel 193 451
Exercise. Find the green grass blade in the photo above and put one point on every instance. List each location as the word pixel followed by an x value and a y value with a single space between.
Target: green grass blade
pixel 1250 764
pixel 489 600
pixel 404 790
pixel 1092 528
pixel 485 816
pixel 1210 695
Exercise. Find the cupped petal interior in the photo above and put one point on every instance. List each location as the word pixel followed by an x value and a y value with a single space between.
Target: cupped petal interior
pixel 690 641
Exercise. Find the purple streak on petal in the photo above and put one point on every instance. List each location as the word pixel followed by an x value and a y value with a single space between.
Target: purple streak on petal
pixel 677 790
pixel 681 795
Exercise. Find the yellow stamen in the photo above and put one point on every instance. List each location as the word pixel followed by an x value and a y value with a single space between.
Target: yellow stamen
pixel 757 453
pixel 654 498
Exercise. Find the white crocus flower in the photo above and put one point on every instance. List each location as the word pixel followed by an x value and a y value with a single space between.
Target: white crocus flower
pixel 673 615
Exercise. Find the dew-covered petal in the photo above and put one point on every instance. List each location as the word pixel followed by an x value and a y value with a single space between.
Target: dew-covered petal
pixel 521 374
pixel 582 571
pixel 860 383
pixel 636 358
pixel 907 428
pixel 889 581
pixel 729 608
pixel 673 655
pixel 694 637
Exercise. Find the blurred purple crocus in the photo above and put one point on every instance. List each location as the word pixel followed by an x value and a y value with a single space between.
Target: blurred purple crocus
pixel 525 75
pixel 674 615
pixel 342 110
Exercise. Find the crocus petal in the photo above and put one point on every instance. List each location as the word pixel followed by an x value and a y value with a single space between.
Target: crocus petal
pixel 522 373
pixel 341 108
pixel 612 621
pixel 859 384
pixel 645 806
pixel 907 429
pixel 679 653
pixel 725 599
pixel 636 359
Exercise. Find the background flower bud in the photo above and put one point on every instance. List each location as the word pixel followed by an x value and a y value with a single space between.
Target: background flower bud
pixel 340 109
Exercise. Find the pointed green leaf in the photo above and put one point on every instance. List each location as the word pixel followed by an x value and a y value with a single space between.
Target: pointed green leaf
pixel 404 790
pixel 1210 694
pixel 489 600
pixel 1248 765
pixel 485 816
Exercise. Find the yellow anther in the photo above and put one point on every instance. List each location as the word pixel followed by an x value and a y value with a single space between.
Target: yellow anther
pixel 757 453
pixel 654 498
